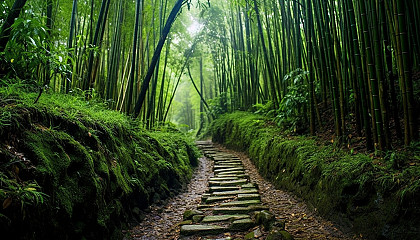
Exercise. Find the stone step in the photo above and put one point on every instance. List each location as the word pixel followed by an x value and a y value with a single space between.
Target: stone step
pixel 230 173
pixel 205 207
pixel 228 183
pixel 224 188
pixel 233 175
pixel 201 229
pixel 228 169
pixel 222 178
pixel 223 218
pixel 242 224
pixel 238 210
pixel 228 163
pixel 227 166
pixel 218 199
pixel 242 197
pixel 244 203
pixel 249 185
pixel 236 192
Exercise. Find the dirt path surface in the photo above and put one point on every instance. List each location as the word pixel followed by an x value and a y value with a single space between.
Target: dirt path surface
pixel 301 222
pixel 163 222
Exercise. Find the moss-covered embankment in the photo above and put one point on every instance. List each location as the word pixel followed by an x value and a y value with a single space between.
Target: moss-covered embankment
pixel 379 198
pixel 69 169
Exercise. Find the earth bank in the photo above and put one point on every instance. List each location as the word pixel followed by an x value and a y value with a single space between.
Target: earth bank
pixel 73 170
pixel 378 199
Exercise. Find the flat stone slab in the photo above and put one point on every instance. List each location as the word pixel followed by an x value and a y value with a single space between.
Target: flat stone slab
pixel 205 206
pixel 223 218
pixel 218 199
pixel 242 191
pixel 222 178
pixel 220 174
pixel 234 175
pixel 238 210
pixel 228 183
pixel 228 169
pixel 242 224
pixel 219 166
pixel 201 229
pixel 249 185
pixel 249 197
pixel 240 203
pixel 224 188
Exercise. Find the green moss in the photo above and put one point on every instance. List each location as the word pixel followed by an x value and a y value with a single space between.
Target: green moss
pixel 94 164
pixel 374 197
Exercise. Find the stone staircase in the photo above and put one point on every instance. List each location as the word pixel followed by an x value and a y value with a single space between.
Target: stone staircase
pixel 231 204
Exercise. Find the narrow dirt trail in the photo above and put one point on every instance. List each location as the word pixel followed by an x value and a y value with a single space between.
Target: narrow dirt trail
pixel 163 222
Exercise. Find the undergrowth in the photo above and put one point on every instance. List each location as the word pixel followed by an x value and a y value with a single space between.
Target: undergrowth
pixel 79 170
pixel 378 196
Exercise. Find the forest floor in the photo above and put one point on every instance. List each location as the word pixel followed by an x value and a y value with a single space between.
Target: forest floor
pixel 161 221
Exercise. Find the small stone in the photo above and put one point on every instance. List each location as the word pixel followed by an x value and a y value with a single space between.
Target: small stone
pixel 242 224
pixel 279 235
pixel 257 233
pixel 188 214
pixel 265 218
pixel 249 236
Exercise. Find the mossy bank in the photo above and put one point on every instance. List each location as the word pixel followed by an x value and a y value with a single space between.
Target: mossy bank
pixel 70 169
pixel 378 198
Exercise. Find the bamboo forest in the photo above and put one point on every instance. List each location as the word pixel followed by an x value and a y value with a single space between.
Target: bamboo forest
pixel 204 119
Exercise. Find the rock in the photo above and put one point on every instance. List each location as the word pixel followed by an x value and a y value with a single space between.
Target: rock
pixel 279 235
pixel 265 218
pixel 197 218
pixel 249 236
pixel 188 214
pixel 242 224
pixel 222 218
pixel 257 233
pixel 201 230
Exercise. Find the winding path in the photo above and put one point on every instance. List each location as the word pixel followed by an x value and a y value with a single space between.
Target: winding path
pixel 225 200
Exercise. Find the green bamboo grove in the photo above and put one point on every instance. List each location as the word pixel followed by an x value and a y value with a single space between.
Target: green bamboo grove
pixel 298 58
pixel 361 57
